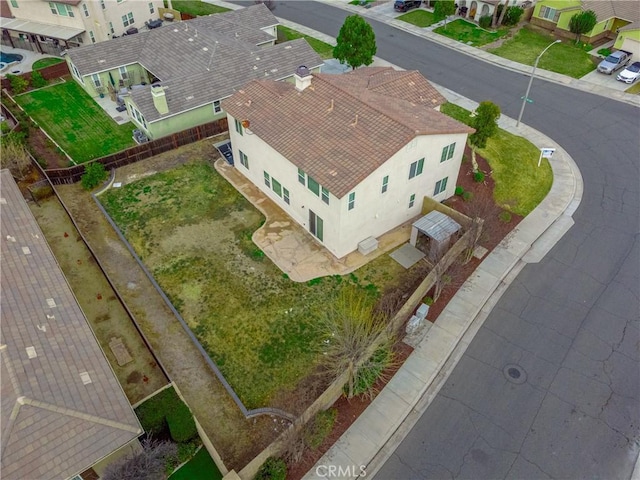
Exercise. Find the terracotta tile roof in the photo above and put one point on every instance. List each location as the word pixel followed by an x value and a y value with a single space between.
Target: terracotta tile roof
pixel 343 127
pixel 53 425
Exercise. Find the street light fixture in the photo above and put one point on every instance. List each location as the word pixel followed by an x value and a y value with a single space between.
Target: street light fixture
pixel 533 74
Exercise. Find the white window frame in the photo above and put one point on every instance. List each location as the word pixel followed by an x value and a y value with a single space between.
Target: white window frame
pixel 412 200
pixel 127 19
pixel 238 126
pixel 104 7
pixel 85 10
pixel 267 178
pixel 441 186
pixel 152 8
pixel 92 36
pixel 111 29
pixel 325 194
pixel 447 152
pixel 285 196
pixel 124 74
pixel 244 160
pixel 416 168
pixel 217 106
pixel 352 201
pixel 95 78
pixel 14 3
pixel 385 184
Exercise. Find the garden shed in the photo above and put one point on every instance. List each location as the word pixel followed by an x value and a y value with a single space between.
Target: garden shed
pixel 438 227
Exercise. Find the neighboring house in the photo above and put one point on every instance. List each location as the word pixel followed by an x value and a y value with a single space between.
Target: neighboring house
pixel 174 77
pixel 48 26
pixel 615 17
pixel 63 413
pixel 349 157
pixel 484 8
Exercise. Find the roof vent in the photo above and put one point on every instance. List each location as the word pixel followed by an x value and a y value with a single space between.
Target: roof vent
pixel 10 238
pixel 3 201
pixel 26 250
pixel 302 77
pixel 51 303
pixel 86 379
pixel 31 352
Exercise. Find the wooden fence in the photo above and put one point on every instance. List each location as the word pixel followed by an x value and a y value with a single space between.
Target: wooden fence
pixel 60 176
pixel 49 73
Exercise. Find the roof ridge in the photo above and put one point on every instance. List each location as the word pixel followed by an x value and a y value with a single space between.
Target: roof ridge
pixel 77 414
pixel 8 429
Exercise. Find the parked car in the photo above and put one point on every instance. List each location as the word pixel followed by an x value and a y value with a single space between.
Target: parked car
pixel 614 62
pixel 406 5
pixel 630 74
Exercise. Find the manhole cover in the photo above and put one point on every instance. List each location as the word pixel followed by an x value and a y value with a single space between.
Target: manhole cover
pixel 515 374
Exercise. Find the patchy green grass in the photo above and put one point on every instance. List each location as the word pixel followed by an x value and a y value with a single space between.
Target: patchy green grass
pixel 419 18
pixel 470 33
pixel 46 62
pixel 193 231
pixel 323 49
pixel 197 8
pixel 634 88
pixel 359 2
pixel 520 184
pixel 566 58
pixel 200 467
pixel 71 117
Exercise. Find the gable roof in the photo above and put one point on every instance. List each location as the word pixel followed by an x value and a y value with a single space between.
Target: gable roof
pixel 201 60
pixel 53 424
pixel 343 127
pixel 605 9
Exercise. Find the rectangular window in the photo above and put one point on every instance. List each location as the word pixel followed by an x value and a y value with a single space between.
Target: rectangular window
pixel 111 28
pixel 216 107
pixel 316 225
pixel 244 160
pixel 123 73
pixel 302 178
pixel 352 200
pixel 104 7
pixel 285 195
pixel 267 180
pixel 92 37
pixel 61 9
pixel 238 126
pixel 85 9
pixel 14 3
pixel 412 200
pixel 549 13
pixel 441 185
pixel 275 185
pixel 127 19
pixel 151 7
pixel 385 183
pixel 325 195
pixel 416 168
pixel 313 185
pixel 69 10
pixel 447 152
pixel 75 71
pixel 96 80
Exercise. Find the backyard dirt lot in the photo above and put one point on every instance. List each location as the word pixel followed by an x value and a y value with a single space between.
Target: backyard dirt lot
pixel 236 439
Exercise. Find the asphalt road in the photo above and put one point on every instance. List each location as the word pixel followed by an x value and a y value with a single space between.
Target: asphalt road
pixel 570 322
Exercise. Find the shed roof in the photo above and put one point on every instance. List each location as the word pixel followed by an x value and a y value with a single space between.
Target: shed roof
pixel 62 408
pixel 437 225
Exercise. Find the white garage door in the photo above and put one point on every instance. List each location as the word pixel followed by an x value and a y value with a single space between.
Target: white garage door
pixel 632 46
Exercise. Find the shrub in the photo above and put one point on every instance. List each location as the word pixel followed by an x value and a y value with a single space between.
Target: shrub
pixel 459 190
pixel 272 469
pixel 513 16
pixel 485 22
pixel 504 216
pixel 478 176
pixel 605 52
pixel 37 80
pixel 427 301
pixel 320 427
pixel 18 84
pixel 467 196
pixel 181 424
pixel 94 175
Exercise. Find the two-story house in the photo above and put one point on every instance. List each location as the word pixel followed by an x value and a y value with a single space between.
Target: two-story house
pixel 48 27
pixel 348 157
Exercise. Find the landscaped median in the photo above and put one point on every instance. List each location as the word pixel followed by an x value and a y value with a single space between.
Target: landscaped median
pixel 75 121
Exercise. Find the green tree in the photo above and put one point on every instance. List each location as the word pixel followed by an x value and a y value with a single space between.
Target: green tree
pixel 356 42
pixel 485 123
pixel 37 80
pixel 94 175
pixel 18 84
pixel 582 23
pixel 443 9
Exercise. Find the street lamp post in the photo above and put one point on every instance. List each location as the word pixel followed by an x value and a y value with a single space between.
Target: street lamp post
pixel 533 74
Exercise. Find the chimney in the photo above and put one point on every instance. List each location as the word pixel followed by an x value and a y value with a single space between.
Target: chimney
pixel 303 78
pixel 159 98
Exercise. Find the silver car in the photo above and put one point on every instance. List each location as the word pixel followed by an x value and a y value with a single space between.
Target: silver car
pixel 630 74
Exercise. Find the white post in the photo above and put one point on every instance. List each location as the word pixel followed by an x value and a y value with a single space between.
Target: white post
pixel 533 74
pixel 540 159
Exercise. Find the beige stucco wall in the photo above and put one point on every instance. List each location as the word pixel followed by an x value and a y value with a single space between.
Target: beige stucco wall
pixel 375 213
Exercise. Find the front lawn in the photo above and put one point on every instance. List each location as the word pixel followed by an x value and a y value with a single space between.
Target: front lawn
pixel 520 184
pixel 71 117
pixel 419 18
pixel 565 58
pixel 469 33
pixel 196 7
pixel 323 49
pixel 45 62
pixel 200 467
pixel 193 231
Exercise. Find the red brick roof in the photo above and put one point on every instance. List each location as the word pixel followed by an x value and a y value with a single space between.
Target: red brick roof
pixel 343 127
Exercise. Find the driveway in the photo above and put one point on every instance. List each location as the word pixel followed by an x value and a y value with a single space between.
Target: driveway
pixel 606 81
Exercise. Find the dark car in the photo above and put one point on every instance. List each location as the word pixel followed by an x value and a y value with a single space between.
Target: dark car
pixel 406 5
